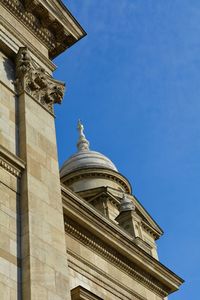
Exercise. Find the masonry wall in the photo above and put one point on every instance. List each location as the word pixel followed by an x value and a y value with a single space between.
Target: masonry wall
pixel 8 105
pixel 33 262
pixel 102 277
pixel 10 274
pixel 42 222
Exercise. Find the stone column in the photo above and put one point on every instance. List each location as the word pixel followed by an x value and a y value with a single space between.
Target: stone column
pixel 43 249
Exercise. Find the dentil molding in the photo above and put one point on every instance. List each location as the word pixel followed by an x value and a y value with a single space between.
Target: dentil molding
pixel 38 16
pixel 114 257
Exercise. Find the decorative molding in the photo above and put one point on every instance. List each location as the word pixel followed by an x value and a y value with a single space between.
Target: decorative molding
pixel 7 32
pixel 102 199
pixel 149 229
pixel 8 167
pixel 146 220
pixel 35 15
pixel 30 20
pixel 97 173
pixel 33 80
pixel 11 163
pixel 143 244
pixel 109 253
pixel 83 213
pixel 100 278
pixel 151 223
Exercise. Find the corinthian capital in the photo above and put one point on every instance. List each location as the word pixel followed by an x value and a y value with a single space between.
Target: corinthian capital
pixel 35 81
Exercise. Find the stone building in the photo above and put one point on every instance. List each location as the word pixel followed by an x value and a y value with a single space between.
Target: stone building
pixel 80 233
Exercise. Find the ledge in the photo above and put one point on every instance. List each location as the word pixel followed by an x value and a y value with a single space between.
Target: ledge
pixel 11 163
pixel 80 293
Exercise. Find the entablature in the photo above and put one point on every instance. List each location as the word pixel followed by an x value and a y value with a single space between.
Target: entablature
pixel 49 20
pixel 91 228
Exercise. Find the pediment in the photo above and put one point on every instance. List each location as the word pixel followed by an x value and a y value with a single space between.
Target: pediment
pixel 146 218
pixel 107 196
pixel 115 196
pixel 94 193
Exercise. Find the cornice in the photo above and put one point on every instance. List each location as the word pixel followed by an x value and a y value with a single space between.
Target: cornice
pixel 97 173
pixel 142 211
pixel 21 40
pixel 110 254
pixel 150 230
pixel 105 196
pixel 109 233
pixel 43 18
pixel 100 277
pixel 11 163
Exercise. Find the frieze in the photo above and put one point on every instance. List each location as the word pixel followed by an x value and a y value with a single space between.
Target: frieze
pixel 35 81
pixel 112 255
pixel 101 278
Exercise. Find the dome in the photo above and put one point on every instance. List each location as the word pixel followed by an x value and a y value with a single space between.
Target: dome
pixel 86 159
pixel 86 169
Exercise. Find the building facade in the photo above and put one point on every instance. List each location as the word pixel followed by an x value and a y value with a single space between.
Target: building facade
pixel 74 234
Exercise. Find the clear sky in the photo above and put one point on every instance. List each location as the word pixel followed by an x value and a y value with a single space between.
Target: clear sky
pixel 134 81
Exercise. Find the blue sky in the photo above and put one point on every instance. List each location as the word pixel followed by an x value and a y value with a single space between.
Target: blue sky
pixel 134 81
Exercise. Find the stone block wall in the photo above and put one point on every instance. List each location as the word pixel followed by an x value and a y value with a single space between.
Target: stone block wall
pixel 10 275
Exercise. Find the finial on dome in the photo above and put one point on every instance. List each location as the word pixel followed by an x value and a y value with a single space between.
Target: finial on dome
pixel 126 204
pixel 83 143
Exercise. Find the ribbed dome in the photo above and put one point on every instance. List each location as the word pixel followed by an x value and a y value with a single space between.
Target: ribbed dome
pixel 85 158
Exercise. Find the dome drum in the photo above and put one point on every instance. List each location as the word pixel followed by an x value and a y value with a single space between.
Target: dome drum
pixel 86 159
pixel 89 178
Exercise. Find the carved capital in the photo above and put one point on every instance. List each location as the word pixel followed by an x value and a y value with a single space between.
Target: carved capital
pixel 35 81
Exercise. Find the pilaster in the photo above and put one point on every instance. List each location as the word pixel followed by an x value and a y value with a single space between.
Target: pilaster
pixel 43 249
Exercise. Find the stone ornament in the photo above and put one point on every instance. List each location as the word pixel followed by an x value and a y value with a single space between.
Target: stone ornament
pixel 39 20
pixel 83 143
pixel 36 82
pixel 126 204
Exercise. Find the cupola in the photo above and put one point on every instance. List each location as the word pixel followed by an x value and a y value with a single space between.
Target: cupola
pixel 87 169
